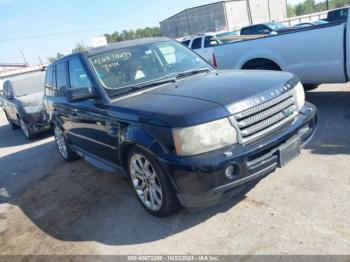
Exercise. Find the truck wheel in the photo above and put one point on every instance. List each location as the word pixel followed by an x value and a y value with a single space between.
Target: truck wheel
pixel 11 124
pixel 63 148
pixel 151 185
pixel 26 130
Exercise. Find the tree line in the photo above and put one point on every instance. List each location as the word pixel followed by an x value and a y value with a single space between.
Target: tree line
pixel 116 37
pixel 310 6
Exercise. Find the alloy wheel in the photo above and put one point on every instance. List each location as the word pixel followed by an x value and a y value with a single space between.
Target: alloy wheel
pixel 61 142
pixel 146 182
pixel 24 128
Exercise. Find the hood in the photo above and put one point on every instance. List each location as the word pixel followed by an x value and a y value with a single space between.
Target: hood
pixel 205 97
pixel 32 99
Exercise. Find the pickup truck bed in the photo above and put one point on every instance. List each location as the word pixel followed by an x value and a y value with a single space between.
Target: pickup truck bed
pixel 315 54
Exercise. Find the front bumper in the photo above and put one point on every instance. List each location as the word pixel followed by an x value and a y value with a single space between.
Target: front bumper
pixel 200 181
pixel 37 122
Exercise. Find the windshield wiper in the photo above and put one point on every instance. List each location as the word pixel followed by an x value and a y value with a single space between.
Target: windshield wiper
pixel 144 85
pixel 192 72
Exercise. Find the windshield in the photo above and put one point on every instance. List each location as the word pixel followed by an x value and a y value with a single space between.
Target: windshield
pixel 276 26
pixel 28 84
pixel 122 68
pixel 320 22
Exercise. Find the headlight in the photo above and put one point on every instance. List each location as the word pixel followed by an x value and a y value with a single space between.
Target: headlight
pixel 300 95
pixel 32 109
pixel 204 138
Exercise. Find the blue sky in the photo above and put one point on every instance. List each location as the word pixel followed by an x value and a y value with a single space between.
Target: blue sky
pixel 83 18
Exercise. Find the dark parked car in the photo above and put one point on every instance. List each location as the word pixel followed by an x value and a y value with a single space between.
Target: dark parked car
pixel 186 134
pixel 23 104
pixel 338 15
pixel 264 29
pixel 308 24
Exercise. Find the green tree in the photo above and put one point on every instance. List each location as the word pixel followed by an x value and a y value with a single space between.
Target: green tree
pixel 290 10
pixel 310 6
pixel 132 34
pixel 79 47
pixel 53 59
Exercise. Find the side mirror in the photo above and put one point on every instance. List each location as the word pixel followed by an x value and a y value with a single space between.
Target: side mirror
pixel 80 94
pixel 213 43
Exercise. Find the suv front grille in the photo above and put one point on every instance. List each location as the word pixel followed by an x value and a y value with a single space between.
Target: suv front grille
pixel 264 118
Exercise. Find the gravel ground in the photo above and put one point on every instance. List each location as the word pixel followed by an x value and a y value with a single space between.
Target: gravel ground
pixel 48 206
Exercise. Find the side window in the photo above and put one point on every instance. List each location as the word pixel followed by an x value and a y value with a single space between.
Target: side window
pixel 61 78
pixel 197 43
pixel 186 43
pixel 77 75
pixel 8 89
pixel 5 92
pixel 49 90
pixel 250 31
pixel 263 30
pixel 208 42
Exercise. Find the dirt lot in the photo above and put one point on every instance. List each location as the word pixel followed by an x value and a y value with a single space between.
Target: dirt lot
pixel 48 206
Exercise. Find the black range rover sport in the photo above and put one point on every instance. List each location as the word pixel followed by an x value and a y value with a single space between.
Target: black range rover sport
pixel 185 133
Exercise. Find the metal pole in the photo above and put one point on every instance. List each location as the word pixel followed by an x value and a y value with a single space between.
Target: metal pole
pixel 24 58
pixel 249 13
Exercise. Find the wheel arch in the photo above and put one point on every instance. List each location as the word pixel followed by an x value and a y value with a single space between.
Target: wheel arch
pixel 139 138
pixel 258 63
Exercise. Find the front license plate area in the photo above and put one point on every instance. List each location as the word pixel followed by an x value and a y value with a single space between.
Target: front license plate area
pixel 288 152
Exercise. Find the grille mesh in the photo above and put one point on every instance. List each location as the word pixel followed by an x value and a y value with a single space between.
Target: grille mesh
pixel 256 121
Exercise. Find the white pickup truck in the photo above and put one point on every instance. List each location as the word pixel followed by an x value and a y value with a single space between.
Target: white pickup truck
pixel 317 54
pixel 203 44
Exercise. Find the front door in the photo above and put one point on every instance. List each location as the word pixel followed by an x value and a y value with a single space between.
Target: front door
pixel 87 124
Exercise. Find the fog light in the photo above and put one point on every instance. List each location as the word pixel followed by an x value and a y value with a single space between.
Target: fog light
pixel 231 171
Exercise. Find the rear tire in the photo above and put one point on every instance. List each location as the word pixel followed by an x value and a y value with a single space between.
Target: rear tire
pixel 151 185
pixel 63 148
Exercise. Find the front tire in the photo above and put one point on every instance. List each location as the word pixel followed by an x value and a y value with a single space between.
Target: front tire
pixel 63 148
pixel 26 130
pixel 151 185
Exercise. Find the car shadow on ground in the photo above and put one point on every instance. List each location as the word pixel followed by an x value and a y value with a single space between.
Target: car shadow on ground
pixel 9 137
pixel 332 136
pixel 76 202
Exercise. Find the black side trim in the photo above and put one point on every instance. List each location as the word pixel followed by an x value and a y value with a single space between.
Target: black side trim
pixel 99 162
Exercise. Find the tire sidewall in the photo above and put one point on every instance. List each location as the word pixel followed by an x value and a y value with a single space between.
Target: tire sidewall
pixel 164 181
pixel 27 134
pixel 71 155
